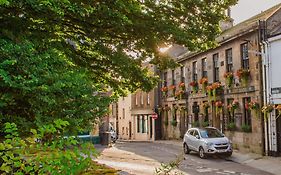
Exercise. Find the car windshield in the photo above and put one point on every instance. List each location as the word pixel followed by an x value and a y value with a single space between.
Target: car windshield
pixel 210 133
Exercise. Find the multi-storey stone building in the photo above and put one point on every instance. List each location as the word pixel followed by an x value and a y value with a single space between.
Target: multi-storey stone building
pixel 221 87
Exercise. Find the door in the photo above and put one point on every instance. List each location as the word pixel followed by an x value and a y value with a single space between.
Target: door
pixel 278 128
pixel 182 123
pixel 130 130
pixel 150 127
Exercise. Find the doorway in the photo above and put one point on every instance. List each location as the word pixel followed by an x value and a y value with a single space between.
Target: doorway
pixel 130 130
pixel 150 127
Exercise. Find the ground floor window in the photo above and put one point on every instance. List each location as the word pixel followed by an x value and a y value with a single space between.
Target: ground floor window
pixel 247 118
pixel 142 123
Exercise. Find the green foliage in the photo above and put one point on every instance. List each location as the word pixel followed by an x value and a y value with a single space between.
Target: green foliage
pixel 246 128
pixel 205 124
pixel 231 126
pixel 195 124
pixel 170 168
pixel 174 122
pixel 46 152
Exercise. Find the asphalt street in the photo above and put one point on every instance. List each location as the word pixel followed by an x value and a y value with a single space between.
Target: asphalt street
pixel 144 157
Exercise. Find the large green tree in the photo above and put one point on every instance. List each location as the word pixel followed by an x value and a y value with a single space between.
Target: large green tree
pixel 57 54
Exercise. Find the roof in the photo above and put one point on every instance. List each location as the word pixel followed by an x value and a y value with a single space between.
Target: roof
pixel 239 29
pixel 246 26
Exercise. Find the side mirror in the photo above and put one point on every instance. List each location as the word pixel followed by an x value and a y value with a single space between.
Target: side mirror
pixel 197 137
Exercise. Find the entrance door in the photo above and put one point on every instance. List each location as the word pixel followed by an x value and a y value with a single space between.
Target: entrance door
pixel 182 123
pixel 158 125
pixel 130 130
pixel 278 128
pixel 150 127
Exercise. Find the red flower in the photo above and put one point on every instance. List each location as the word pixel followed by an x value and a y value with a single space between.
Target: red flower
pixel 193 83
pixel 219 104
pixel 203 80
pixel 164 89
pixel 172 87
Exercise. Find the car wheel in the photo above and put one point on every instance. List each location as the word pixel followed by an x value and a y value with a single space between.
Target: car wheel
pixel 202 155
pixel 186 149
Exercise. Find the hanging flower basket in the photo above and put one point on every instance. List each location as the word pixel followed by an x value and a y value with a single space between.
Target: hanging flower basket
pixel 164 91
pixel 219 106
pixel 182 86
pixel 179 94
pixel 173 89
pixel 244 76
pixel 204 82
pixel 210 91
pixel 206 106
pixel 266 109
pixel 194 86
pixel 216 88
pixel 233 106
pixel 228 79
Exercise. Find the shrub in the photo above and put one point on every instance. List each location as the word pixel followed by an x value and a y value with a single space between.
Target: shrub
pixel 246 128
pixel 231 126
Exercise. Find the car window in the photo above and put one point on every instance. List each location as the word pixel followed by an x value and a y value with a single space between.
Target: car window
pixel 190 132
pixel 210 133
pixel 195 133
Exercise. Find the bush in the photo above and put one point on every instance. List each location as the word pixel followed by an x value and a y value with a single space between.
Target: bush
pixel 246 128
pixel 231 126
pixel 46 152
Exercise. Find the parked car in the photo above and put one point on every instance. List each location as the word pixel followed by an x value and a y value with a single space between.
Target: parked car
pixel 206 141
pixel 113 133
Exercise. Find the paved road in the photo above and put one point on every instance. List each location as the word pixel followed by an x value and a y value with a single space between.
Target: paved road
pixel 143 157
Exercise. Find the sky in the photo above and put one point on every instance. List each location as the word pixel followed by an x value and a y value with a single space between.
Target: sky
pixel 248 8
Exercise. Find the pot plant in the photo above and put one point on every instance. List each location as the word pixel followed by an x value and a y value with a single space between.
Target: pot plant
pixel 164 91
pixel 266 109
pixel 233 106
pixel 179 94
pixel 253 106
pixel 216 88
pixel 278 108
pixel 210 91
pixel 182 86
pixel 204 82
pixel 173 89
pixel 244 76
pixel 194 87
pixel 219 107
pixel 228 79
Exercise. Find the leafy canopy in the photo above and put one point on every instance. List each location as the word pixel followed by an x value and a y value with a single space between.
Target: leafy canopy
pixel 57 55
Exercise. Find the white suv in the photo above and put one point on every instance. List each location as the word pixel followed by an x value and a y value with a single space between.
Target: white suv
pixel 205 141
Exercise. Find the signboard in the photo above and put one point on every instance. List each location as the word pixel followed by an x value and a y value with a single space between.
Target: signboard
pixel 154 116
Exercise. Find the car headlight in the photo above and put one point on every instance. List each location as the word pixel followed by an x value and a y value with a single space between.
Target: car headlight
pixel 209 144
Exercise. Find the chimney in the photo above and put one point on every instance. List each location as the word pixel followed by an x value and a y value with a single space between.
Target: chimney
pixel 228 22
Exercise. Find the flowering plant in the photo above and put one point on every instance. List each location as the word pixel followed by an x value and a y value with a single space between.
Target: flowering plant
pixel 266 109
pixel 164 90
pixel 206 105
pixel 253 105
pixel 204 82
pixel 229 78
pixel 243 75
pixel 194 86
pixel 179 94
pixel 182 86
pixel 219 106
pixel 215 88
pixel 209 90
pixel 232 106
pixel 173 88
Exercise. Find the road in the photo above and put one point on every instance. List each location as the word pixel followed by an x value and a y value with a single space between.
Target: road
pixel 143 157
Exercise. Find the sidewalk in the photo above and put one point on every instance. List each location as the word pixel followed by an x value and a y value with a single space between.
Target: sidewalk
pixel 265 163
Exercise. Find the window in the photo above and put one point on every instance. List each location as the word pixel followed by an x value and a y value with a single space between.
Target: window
pixel 230 113
pixel 148 98
pixel 204 68
pixel 143 124
pixel 228 60
pixel 138 123
pixel 141 96
pixel 173 77
pixel 244 56
pixel 174 112
pixel 123 113
pixel 206 112
pixel 216 67
pixel 136 97
pixel 182 74
pixel 246 112
pixel 194 71
pixel 165 79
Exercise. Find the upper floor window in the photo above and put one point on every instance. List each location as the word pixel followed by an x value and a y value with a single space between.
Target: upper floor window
pixel 245 56
pixel 148 98
pixel 165 79
pixel 136 97
pixel 228 60
pixel 173 77
pixel 216 67
pixel 204 68
pixel 194 71
pixel 141 96
pixel 123 113
pixel 182 74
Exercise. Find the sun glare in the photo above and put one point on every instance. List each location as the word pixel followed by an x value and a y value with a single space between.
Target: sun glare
pixel 164 49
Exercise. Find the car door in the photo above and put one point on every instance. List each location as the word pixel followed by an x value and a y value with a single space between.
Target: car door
pixel 196 141
pixel 189 138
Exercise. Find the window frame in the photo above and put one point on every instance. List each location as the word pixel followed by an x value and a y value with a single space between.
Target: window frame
pixel 245 62
pixel 216 67
pixel 228 57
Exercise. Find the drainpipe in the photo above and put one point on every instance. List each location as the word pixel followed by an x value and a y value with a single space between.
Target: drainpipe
pixel 265 90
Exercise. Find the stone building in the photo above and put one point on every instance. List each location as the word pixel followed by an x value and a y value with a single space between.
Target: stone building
pixel 220 87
